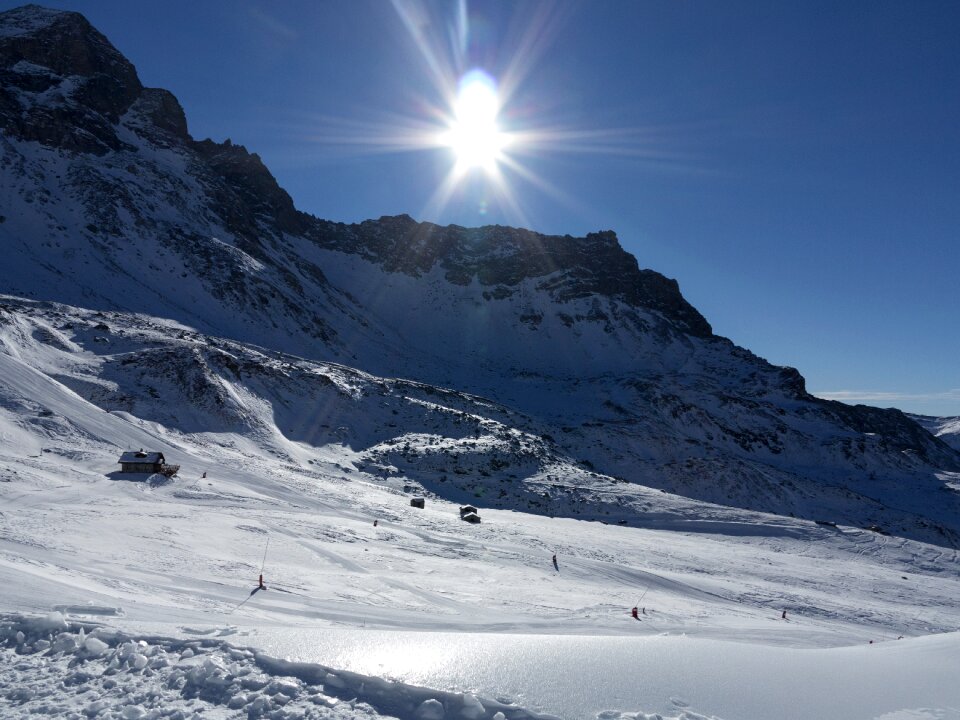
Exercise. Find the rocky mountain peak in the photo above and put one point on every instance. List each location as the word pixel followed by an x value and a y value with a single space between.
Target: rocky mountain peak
pixel 65 44
pixel 63 83
pixel 500 258
pixel 254 192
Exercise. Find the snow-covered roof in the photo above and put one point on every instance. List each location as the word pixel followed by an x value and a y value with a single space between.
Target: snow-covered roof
pixel 141 456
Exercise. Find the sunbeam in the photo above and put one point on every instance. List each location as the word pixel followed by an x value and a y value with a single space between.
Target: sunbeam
pixel 475 117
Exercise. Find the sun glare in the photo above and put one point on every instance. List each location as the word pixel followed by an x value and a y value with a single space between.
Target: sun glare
pixel 473 135
pixel 464 114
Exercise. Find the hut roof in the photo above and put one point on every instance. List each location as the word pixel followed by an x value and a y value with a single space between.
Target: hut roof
pixel 141 456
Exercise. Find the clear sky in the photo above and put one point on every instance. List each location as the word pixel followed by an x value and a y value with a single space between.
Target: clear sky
pixel 795 166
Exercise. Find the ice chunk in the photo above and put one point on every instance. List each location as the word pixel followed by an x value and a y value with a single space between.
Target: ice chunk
pixel 287 687
pixel 260 706
pixel 333 681
pixel 95 708
pixel 429 710
pixel 95 647
pixel 52 622
pixel 128 649
pixel 21 694
pixel 472 708
pixel 65 643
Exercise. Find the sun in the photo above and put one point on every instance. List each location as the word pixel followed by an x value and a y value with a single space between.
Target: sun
pixel 473 134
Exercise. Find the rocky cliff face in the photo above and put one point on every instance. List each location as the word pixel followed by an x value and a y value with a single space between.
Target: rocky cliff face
pixel 64 84
pixel 112 206
pixel 66 88
pixel 501 258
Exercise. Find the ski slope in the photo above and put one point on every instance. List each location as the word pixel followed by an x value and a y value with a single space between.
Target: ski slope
pixel 421 607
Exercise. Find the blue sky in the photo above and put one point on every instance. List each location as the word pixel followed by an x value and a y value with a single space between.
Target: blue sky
pixel 796 166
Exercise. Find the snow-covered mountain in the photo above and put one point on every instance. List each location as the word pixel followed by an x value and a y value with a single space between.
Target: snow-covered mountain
pixel 945 428
pixel 310 378
pixel 576 355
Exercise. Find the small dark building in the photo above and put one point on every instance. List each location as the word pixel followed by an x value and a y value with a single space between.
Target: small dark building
pixel 417 502
pixel 471 518
pixel 464 509
pixel 140 461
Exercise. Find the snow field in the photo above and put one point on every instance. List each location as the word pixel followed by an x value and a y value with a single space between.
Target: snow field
pixel 68 670
pixel 300 459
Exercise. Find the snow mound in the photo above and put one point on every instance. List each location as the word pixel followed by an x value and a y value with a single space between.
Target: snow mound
pixel 51 667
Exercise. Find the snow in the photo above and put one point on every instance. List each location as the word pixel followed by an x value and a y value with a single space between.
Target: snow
pixel 139 597
pixel 945 428
pixel 109 673
pixel 27 20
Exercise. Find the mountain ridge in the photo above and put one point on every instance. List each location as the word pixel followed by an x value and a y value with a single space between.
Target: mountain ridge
pixel 113 207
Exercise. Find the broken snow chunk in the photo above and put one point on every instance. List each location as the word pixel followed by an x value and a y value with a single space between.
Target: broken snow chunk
pixel 65 643
pixel 20 637
pixel 95 708
pixel 188 653
pixel 429 710
pixel 52 622
pixel 333 681
pixel 133 712
pixel 21 694
pixel 127 649
pixel 287 687
pixel 499 716
pixel 95 647
pixel 254 681
pixel 138 661
pixel 472 708
pixel 318 698
pixel 260 706
pixel 237 701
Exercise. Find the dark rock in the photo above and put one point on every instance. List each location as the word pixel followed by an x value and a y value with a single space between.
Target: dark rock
pixel 501 257
pixel 39 50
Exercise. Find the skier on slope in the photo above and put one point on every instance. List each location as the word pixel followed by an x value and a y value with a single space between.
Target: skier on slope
pixel 633 614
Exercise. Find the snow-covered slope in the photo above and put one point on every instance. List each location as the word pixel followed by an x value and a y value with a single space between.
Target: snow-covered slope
pixel 945 428
pixel 310 378
pixel 286 464
pixel 112 206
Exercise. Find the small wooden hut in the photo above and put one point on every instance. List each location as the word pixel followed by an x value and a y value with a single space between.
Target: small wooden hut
pixel 141 461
